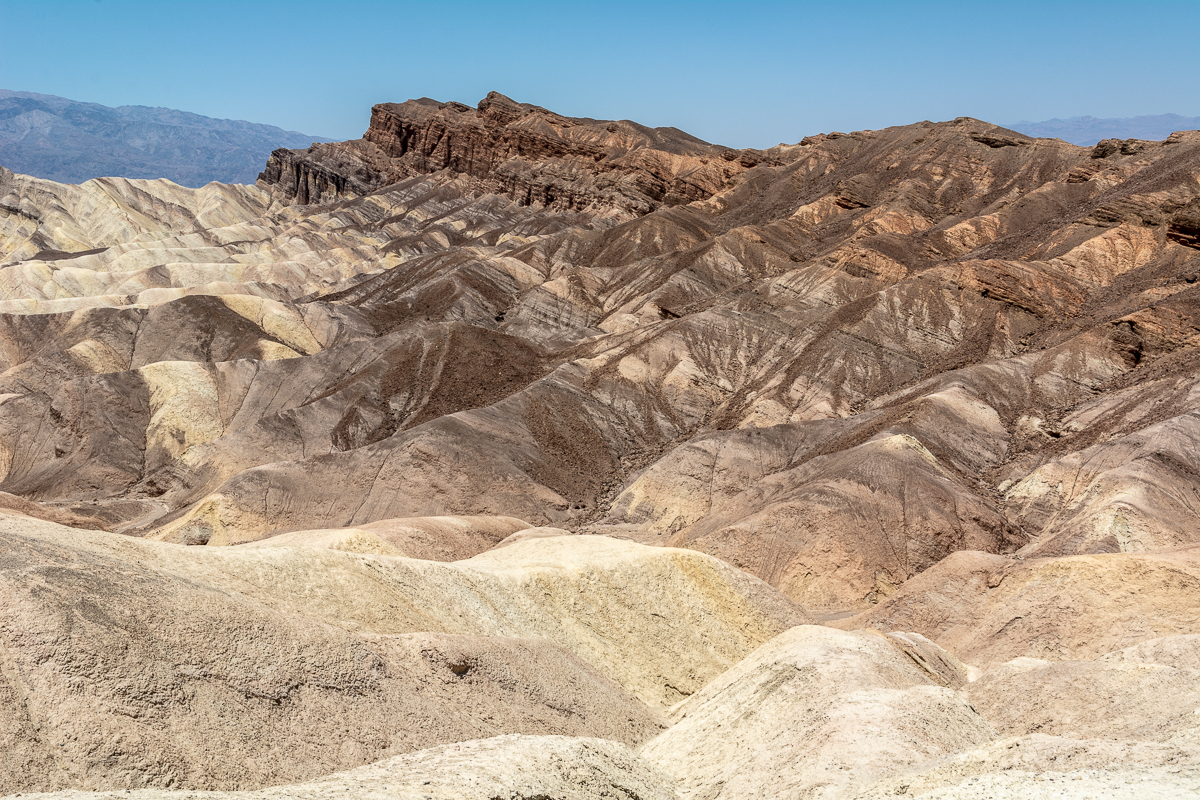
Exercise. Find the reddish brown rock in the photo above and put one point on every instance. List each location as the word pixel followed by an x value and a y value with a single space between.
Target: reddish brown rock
pixel 516 149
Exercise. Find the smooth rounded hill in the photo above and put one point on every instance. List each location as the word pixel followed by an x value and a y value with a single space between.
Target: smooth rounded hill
pixel 126 659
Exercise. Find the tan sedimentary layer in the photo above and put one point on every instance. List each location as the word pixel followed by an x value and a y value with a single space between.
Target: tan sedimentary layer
pixel 814 712
pixel 130 663
pixel 988 609
pixel 504 766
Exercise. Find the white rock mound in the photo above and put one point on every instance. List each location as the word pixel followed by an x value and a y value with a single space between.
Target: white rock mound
pixel 815 712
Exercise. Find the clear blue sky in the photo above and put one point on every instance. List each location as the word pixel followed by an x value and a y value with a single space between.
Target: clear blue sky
pixel 742 74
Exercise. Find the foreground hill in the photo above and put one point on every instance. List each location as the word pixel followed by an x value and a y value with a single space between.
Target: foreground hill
pixel 69 141
pixel 938 381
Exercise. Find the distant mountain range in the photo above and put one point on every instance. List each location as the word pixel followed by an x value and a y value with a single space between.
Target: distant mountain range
pixel 71 142
pixel 1089 130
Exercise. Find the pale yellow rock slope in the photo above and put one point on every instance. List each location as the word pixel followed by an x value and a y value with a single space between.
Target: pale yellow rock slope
pixel 132 663
pixel 510 766
pixel 813 713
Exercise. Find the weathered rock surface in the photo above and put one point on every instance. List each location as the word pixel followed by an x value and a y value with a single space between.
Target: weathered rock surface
pixel 813 713
pixel 127 661
pixel 988 609
pixel 1124 695
pixel 511 766
pixel 1037 767
pixel 515 149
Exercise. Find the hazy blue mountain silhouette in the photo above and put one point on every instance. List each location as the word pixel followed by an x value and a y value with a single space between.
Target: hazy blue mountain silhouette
pixel 71 142
pixel 1089 130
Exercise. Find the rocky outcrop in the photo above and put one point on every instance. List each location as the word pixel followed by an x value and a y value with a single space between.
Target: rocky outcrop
pixel 320 173
pixel 519 150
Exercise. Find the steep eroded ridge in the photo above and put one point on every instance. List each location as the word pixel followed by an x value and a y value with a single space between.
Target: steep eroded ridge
pixel 516 149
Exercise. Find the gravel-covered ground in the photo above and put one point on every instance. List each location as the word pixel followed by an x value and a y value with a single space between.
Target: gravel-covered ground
pixel 1163 783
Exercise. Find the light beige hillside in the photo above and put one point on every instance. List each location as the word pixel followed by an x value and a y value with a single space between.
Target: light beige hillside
pixel 1041 767
pixel 813 713
pixel 429 538
pixel 1130 694
pixel 505 766
pixel 126 661
pixel 988 609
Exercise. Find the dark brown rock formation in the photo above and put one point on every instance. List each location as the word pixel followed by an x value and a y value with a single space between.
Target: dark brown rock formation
pixel 525 152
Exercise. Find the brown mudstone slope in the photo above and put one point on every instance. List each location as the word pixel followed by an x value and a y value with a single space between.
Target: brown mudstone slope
pixel 938 379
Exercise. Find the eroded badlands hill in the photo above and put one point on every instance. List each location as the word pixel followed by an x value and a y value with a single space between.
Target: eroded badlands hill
pixel 840 365
pixel 943 376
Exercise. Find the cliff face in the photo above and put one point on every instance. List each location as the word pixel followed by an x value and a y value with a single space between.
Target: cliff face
pixel 320 173
pixel 519 150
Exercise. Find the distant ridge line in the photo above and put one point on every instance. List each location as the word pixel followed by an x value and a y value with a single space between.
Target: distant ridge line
pixel 1088 130
pixel 71 141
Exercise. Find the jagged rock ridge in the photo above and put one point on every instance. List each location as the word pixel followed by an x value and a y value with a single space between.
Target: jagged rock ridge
pixel 516 149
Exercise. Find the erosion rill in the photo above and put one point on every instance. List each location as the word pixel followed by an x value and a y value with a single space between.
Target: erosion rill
pixel 573 458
